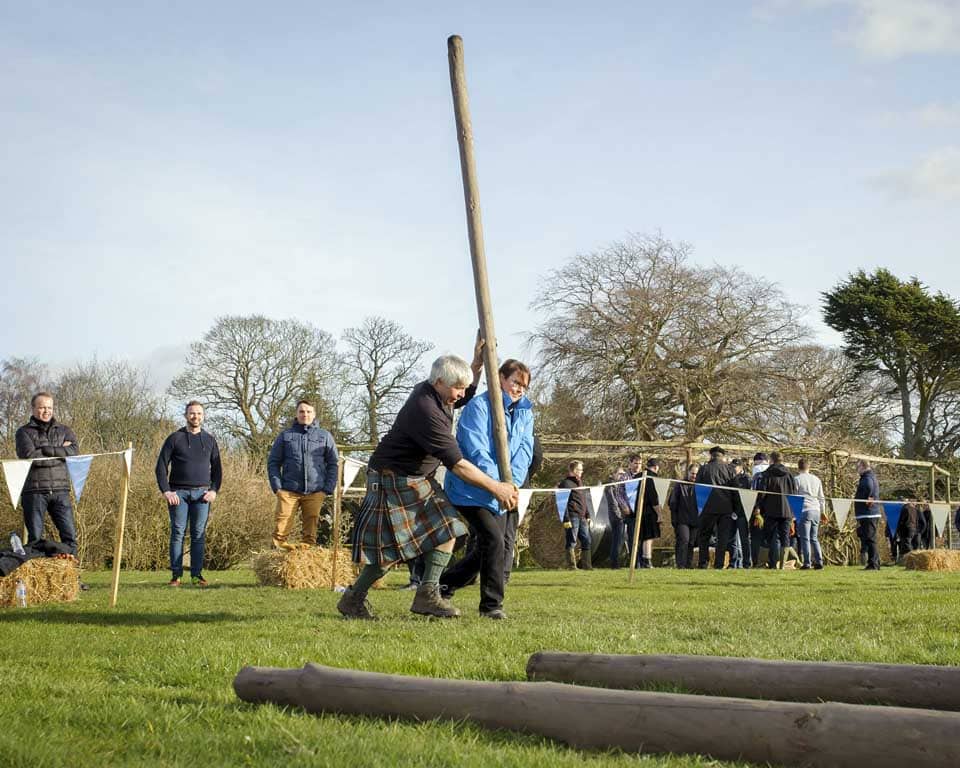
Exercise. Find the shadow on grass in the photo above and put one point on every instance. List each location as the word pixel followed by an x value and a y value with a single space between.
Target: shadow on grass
pixel 119 619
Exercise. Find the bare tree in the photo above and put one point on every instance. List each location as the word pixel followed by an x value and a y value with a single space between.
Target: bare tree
pixel 382 361
pixel 667 349
pixel 249 372
pixel 20 378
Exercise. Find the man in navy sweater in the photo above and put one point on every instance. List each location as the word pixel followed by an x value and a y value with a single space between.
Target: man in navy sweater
pixel 192 458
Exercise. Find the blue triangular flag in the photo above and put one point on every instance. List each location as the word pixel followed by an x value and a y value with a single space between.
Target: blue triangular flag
pixel 796 506
pixel 702 493
pixel 892 510
pixel 78 467
pixel 631 487
pixel 562 498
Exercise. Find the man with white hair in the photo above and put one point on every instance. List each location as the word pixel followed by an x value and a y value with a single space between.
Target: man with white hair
pixel 405 513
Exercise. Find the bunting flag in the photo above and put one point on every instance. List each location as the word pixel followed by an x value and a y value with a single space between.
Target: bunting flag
pixel 702 493
pixel 596 498
pixel 841 508
pixel 522 503
pixel 892 510
pixel 662 484
pixel 563 496
pixel 16 472
pixel 940 513
pixel 128 460
pixel 631 487
pixel 350 469
pixel 78 467
pixel 748 499
pixel 796 506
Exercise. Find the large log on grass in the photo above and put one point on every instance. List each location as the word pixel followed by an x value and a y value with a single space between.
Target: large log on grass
pixel 817 735
pixel 902 685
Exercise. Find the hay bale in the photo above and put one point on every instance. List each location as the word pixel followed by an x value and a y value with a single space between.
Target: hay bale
pixel 932 560
pixel 304 568
pixel 48 580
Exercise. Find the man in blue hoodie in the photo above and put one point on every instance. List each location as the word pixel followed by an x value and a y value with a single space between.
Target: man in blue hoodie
pixel 302 468
pixel 867 511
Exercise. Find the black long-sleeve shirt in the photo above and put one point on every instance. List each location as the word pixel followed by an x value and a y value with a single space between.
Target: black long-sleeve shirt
pixel 192 459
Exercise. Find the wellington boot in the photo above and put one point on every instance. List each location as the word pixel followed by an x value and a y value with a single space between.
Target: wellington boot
pixel 571 559
pixel 429 602
pixel 586 560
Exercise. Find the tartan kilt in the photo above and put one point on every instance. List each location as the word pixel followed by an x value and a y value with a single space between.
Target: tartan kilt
pixel 402 517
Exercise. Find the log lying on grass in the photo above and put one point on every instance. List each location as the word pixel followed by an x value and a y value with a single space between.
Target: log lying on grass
pixel 817 735
pixel 901 685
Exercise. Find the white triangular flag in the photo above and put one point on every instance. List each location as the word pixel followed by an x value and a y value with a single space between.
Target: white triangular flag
pixel 662 484
pixel 128 460
pixel 16 472
pixel 940 513
pixel 596 498
pixel 523 501
pixel 78 467
pixel 841 508
pixel 350 469
pixel 748 499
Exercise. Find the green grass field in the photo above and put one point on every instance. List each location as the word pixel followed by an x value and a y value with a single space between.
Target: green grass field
pixel 149 683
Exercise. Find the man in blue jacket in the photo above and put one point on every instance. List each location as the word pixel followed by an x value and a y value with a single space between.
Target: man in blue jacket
pixel 302 468
pixel 478 506
pixel 867 511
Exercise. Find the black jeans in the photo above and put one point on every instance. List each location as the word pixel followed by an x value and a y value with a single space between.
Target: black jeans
pixel 778 529
pixel 57 505
pixel 723 524
pixel 486 558
pixel 511 520
pixel 867 530
pixel 686 537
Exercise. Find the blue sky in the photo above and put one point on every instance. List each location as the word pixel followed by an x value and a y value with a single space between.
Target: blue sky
pixel 167 163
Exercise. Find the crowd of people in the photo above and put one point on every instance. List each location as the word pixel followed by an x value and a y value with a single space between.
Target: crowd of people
pixel 408 516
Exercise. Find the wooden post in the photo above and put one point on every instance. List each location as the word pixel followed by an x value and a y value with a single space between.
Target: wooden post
pixel 471 197
pixel 335 533
pixel 121 522
pixel 637 514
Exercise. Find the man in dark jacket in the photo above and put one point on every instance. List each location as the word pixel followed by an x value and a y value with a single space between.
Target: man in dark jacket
pixel 778 483
pixel 189 474
pixel 47 487
pixel 302 468
pixel 576 521
pixel 867 511
pixel 718 511
pixel 684 517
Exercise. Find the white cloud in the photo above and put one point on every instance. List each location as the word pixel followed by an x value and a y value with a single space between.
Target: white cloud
pixel 894 28
pixel 935 175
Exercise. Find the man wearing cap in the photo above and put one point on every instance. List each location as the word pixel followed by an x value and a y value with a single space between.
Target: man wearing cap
pixel 406 513
pixel 718 511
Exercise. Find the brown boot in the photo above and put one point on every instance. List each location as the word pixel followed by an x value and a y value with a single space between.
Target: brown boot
pixel 572 559
pixel 429 602
pixel 353 605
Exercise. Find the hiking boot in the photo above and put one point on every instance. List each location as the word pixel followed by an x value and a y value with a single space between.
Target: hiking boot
pixel 494 613
pixel 429 602
pixel 198 581
pixel 354 605
pixel 174 582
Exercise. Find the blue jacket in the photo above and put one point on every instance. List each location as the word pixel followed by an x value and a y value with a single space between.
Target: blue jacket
pixel 867 487
pixel 475 438
pixel 303 460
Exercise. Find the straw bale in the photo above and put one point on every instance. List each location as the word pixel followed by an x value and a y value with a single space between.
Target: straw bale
pixel 48 580
pixel 303 568
pixel 932 560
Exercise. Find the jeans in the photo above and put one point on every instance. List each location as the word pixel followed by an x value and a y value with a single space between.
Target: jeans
pixel 741 553
pixel 616 540
pixel 486 558
pixel 810 538
pixel 778 528
pixel 579 531
pixel 194 510
pixel 57 504
pixel 629 525
pixel 686 538
pixel 867 530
